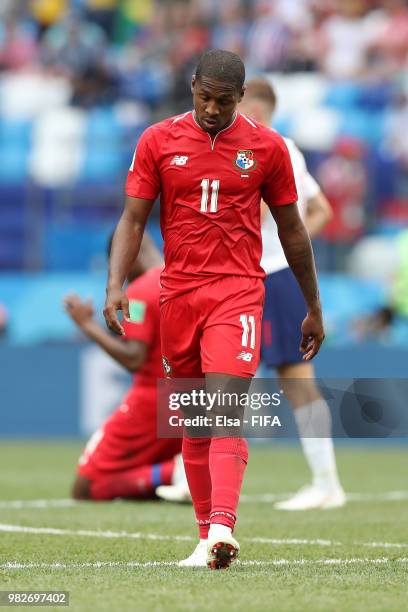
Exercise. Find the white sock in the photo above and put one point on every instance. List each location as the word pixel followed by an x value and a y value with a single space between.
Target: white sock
pixel 313 420
pixel 218 531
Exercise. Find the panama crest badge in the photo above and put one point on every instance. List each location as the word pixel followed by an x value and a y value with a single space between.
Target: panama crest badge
pixel 245 160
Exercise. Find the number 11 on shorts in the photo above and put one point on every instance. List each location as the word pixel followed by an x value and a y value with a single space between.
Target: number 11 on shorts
pixel 246 323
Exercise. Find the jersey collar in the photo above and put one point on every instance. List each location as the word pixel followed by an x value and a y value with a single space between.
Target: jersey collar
pixel 226 130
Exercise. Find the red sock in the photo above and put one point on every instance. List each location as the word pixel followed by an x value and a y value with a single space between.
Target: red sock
pixel 138 483
pixel 195 457
pixel 227 458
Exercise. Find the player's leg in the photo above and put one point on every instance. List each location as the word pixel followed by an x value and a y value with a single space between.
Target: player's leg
pixel 80 488
pixel 181 351
pixel 313 420
pixel 230 348
pixel 178 490
pixel 228 458
pixel 284 312
pixel 136 483
pixel 124 459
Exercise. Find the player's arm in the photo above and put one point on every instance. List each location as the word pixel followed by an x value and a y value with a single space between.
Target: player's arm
pixel 298 251
pixel 130 354
pixel 125 248
pixel 318 214
pixel 142 188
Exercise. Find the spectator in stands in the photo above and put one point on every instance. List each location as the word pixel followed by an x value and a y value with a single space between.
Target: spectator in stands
pixel 189 38
pixel 345 38
pixel 18 45
pixel 343 178
pixel 390 322
pixel 102 12
pixel 73 44
pixel 231 30
pixel 389 49
pixel 396 129
pixel 269 39
pixel 94 86
pixel 47 12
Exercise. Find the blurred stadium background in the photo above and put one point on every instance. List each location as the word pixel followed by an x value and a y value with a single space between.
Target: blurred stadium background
pixel 80 80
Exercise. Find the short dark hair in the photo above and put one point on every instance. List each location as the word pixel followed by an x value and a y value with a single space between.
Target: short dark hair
pixel 261 89
pixel 223 66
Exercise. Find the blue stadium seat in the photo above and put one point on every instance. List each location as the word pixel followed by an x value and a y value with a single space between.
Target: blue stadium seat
pixel 366 126
pixel 42 294
pixel 102 127
pixel 375 96
pixel 15 133
pixel 342 96
pixel 75 246
pixel 14 163
pixel 101 164
pixel 346 299
pixel 11 252
pixel 283 124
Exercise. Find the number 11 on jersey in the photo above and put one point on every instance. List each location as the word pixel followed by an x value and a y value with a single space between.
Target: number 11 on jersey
pixel 205 186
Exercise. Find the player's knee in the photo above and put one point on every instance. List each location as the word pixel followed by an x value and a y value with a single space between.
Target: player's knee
pixel 81 489
pixel 298 383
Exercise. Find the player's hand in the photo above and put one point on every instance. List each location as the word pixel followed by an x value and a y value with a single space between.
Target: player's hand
pixel 312 335
pixel 116 299
pixel 80 311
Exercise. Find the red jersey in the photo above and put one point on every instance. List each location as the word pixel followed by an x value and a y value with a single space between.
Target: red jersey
pixel 143 294
pixel 210 190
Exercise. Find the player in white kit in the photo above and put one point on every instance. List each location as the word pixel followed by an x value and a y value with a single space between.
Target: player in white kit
pixel 284 312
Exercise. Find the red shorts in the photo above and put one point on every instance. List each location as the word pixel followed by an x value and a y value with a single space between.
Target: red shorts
pixel 214 328
pixel 127 440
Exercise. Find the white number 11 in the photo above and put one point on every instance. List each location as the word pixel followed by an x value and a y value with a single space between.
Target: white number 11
pixel 215 185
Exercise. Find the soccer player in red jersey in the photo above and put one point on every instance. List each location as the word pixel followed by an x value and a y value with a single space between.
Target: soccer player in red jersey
pixel 124 458
pixel 211 168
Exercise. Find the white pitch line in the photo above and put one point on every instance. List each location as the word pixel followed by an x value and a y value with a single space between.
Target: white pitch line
pixel 11 565
pixel 278 541
pixel 386 545
pixel 92 534
pixel 38 503
pixel 265 498
pixel 180 538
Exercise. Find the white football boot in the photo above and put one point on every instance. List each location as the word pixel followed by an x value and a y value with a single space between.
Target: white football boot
pixel 178 491
pixel 222 547
pixel 311 497
pixel 198 557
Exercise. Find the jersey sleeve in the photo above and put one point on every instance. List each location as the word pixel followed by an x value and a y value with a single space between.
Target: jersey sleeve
pixel 143 317
pixel 279 187
pixel 143 180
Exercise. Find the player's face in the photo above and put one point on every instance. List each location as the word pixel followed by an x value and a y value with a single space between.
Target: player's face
pixel 214 103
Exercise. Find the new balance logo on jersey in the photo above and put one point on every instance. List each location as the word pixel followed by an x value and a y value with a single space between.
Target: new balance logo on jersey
pixel 179 160
pixel 245 356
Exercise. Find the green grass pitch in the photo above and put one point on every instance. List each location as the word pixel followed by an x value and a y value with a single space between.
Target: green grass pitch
pixel 348 559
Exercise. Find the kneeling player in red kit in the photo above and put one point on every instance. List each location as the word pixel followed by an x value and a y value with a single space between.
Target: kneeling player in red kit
pixel 211 167
pixel 124 458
